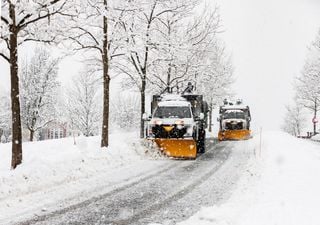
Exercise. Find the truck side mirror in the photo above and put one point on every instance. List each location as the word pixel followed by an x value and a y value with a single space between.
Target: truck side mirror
pixel 201 116
pixel 145 116
pixel 218 119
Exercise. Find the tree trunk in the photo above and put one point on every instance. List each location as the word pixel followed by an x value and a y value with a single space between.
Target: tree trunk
pixel 1 133
pixel 15 101
pixel 143 108
pixel 106 84
pixel 298 128
pixel 31 135
pixel 315 116
pixel 144 76
pixel 105 123
pixel 210 117
pixel 169 78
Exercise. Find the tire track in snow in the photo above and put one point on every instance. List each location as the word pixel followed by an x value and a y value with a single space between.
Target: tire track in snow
pixel 184 190
pixel 106 195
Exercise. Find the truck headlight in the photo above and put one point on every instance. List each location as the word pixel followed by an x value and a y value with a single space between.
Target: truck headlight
pixel 179 122
pixel 157 122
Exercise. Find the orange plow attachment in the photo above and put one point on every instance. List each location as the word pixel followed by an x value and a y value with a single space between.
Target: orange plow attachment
pixel 178 148
pixel 234 135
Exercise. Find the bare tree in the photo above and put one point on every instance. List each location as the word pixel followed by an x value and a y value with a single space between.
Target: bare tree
pixel 185 45
pixel 142 49
pixel 307 86
pixel 294 119
pixel 23 21
pixel 216 77
pixel 125 113
pixel 83 103
pixel 39 90
pixel 97 32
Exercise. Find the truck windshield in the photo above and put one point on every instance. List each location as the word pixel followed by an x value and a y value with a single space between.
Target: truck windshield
pixel 172 112
pixel 234 115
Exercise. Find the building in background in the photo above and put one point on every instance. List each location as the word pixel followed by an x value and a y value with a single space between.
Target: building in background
pixel 54 130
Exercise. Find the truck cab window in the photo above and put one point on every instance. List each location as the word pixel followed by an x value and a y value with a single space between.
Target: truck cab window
pixel 172 112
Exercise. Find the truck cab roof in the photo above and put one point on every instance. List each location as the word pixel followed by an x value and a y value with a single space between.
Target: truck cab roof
pixel 174 103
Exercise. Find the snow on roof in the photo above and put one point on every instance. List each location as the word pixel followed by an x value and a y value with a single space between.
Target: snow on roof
pixel 173 103
pixel 234 107
pixel 172 97
pixel 234 110
pixel 173 100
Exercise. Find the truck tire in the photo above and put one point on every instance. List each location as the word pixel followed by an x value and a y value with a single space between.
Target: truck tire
pixel 201 142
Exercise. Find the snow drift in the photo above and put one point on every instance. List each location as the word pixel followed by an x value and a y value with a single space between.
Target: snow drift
pixel 57 173
pixel 281 187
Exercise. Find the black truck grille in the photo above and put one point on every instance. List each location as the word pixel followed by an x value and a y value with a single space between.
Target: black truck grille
pixel 234 126
pixel 159 131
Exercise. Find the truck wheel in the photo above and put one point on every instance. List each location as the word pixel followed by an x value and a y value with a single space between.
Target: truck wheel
pixel 201 143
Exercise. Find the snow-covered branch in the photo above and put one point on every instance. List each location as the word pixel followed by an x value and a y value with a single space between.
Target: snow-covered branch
pixel 4 20
pixel 35 15
pixel 5 57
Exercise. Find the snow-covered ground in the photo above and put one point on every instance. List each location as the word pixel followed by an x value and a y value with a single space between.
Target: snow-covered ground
pixel 57 173
pixel 282 187
pixel 316 137
pixel 279 186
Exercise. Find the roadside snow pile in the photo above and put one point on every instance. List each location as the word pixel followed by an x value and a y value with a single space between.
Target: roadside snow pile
pixel 55 170
pixel 281 188
pixel 315 137
pixel 52 162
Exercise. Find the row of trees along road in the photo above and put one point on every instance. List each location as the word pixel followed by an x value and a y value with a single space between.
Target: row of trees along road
pixel 157 44
pixel 307 87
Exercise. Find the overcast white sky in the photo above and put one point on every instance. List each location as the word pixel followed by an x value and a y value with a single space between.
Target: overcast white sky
pixel 268 40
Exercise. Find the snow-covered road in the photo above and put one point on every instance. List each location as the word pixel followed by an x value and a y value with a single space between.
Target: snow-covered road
pixel 171 192
pixel 281 188
pixel 273 181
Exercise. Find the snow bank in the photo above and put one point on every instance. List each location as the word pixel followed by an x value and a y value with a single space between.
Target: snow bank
pixel 55 170
pixel 316 137
pixel 52 162
pixel 281 187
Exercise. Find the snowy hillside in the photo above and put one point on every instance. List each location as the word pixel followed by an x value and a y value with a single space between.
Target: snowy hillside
pixel 281 187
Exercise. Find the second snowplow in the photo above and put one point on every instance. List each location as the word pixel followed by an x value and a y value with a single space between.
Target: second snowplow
pixel 234 121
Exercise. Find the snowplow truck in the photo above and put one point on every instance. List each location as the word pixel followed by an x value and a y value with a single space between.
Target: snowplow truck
pixel 234 121
pixel 177 124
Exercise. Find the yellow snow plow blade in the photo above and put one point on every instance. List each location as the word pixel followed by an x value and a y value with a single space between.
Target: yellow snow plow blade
pixel 178 148
pixel 234 135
